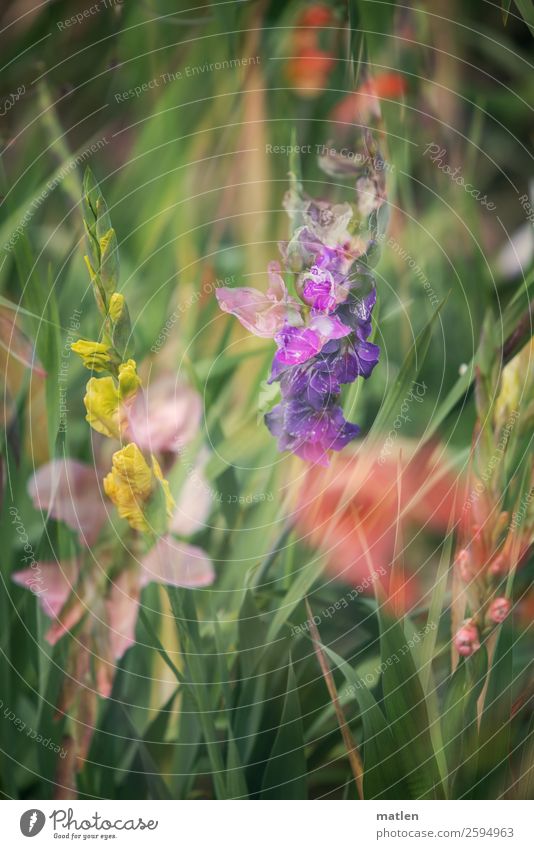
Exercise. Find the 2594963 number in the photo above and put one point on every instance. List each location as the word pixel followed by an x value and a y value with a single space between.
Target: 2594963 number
pixel 488 832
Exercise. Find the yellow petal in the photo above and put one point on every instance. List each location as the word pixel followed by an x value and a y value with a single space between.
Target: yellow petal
pixel 130 464
pixel 95 355
pixel 102 405
pixel 129 381
pixel 130 484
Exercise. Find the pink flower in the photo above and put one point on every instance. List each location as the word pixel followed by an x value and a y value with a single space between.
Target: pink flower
pixel 467 640
pixel 62 599
pixel 499 610
pixel 262 314
pixel 177 564
pixel 165 417
pixel 194 504
pixel 68 491
pixel 50 582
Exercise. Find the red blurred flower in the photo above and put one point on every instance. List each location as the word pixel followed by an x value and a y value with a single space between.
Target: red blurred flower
pixel 308 72
pixel 364 103
pixel 355 510
pixel 318 15
pixel 309 67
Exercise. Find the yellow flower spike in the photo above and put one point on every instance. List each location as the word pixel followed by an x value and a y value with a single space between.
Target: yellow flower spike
pixel 116 306
pixel 94 355
pixel 129 381
pixel 102 405
pixel 131 484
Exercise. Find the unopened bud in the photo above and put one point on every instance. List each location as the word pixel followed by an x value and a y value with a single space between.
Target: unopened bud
pixel 120 326
pixel 499 610
pixel 467 640
pixel 464 565
pixel 498 567
pixel 116 306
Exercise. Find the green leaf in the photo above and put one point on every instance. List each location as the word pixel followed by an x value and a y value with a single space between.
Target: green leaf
pixel 495 722
pixel 408 373
pixel 516 314
pixel 527 11
pixel 434 614
pixel 143 763
pixel 253 680
pixel 406 710
pixel 235 774
pixel 304 579
pixel 285 773
pixel 505 7
pixel 525 786
pixel 459 721
pixel 383 777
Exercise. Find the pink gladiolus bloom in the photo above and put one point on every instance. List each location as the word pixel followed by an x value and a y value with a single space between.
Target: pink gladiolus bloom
pixel 177 564
pixel 262 314
pixel 68 491
pixel 50 582
pixel 165 417
pixel 165 420
pixel 194 504
pixel 168 562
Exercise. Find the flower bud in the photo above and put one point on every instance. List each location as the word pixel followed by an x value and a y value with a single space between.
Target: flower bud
pixel 499 610
pixel 129 381
pixel 116 306
pixel 464 565
pixel 467 640
pixel 120 326
pixel 498 566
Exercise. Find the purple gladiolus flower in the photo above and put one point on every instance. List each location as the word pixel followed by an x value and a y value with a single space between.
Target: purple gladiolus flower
pixel 319 290
pixel 310 433
pixel 296 345
pixel 323 341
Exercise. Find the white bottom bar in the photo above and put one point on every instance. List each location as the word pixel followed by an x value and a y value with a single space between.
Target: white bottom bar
pixel 264 825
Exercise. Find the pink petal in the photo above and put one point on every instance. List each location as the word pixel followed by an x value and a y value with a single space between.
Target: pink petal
pixel 69 491
pixel 51 582
pixel 122 607
pixel 329 327
pixel 166 416
pixel 259 313
pixel 177 564
pixel 194 503
pixel 277 290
